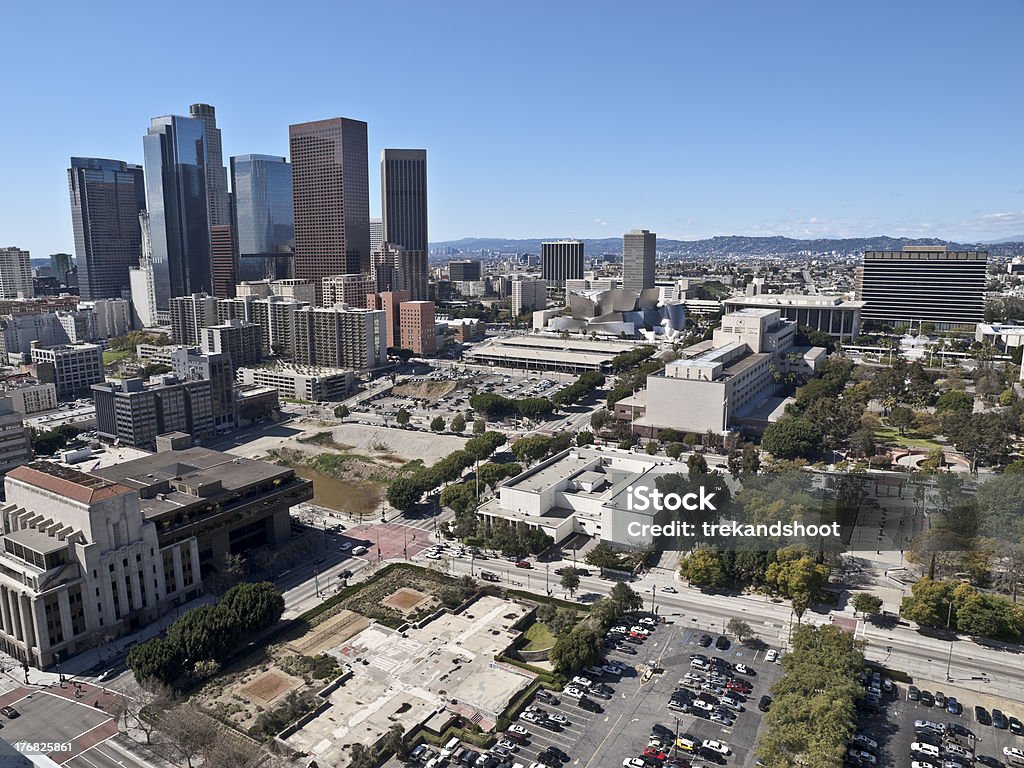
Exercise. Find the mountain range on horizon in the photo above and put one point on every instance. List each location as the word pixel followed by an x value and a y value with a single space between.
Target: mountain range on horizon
pixel 737 245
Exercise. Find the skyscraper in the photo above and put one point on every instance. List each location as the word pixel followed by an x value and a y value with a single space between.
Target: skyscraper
pixel 638 254
pixel 376 234
pixel 561 260
pixel 106 198
pixel 60 264
pixel 923 284
pixel 15 274
pixel 403 192
pixel 223 263
pixel 264 222
pixel 216 173
pixel 178 204
pixel 331 193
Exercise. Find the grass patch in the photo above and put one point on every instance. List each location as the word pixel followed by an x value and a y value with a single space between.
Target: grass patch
pixel 539 637
pixel 911 439
pixel 111 356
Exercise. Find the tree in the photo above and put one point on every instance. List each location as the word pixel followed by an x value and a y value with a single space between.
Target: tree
pixel 563 622
pixel 188 735
pixel 954 400
pixel 396 743
pixel 739 629
pixel 750 460
pixel 575 650
pixel 697 465
pixel 675 450
pixel 651 448
pixel 459 497
pixel 627 598
pixel 402 417
pixel 404 493
pixel 703 569
pixel 602 556
pixel 479 426
pixel 253 606
pixel 599 419
pixel 132 703
pixel 155 662
pixel 437 424
pixel 792 438
pixel 902 418
pixel 458 424
pixel 862 443
pixel 866 603
pixel 929 604
pixel 532 448
pixel 206 632
pixel 570 580
pixel 584 437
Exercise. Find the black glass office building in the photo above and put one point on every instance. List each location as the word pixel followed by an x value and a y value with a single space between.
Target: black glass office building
pixel 263 216
pixel 179 218
pixel 106 197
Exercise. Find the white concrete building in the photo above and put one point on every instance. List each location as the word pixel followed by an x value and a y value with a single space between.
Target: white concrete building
pixel 528 295
pixel 28 395
pixel 309 384
pixel 15 274
pixel 79 561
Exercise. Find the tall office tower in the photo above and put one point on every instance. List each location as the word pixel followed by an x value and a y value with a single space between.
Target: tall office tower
pixel 331 194
pixel 390 302
pixel 176 197
pixel 15 274
pixel 223 264
pixel 216 173
pixel 403 192
pixel 562 260
pixel 60 263
pixel 465 270
pixel 923 284
pixel 106 198
pixel 638 253
pixel 261 187
pixel 376 234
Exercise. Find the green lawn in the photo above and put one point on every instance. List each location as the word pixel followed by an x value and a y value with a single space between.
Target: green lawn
pixel 911 439
pixel 540 637
pixel 111 356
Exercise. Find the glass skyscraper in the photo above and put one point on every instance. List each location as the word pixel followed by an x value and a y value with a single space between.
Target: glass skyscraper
pixel 263 216
pixel 179 218
pixel 106 197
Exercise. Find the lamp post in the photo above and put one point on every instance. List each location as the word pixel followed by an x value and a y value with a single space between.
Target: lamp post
pixel 949 659
pixel 654 592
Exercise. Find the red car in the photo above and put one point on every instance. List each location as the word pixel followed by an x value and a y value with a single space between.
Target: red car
pixel 739 686
pixel 638 636
pixel 523 564
pixel 654 752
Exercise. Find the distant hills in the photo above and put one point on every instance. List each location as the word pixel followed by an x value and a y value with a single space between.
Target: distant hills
pixel 735 245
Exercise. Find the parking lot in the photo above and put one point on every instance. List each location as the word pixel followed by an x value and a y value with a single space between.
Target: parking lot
pixel 446 393
pixel 622 727
pixel 894 730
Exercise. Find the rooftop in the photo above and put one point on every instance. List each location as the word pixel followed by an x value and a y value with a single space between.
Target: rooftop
pixel 37 541
pixel 794 300
pixel 65 481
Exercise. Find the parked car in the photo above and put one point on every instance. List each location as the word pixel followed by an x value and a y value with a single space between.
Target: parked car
pixel 722 643
pixel 523 564
pixel 704 641
pixel 982 716
pixel 913 693
pixel 999 720
pixel 772 656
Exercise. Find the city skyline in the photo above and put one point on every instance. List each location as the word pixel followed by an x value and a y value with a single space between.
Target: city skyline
pixel 763 121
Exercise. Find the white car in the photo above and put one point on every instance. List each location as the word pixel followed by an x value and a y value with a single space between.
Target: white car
pixel 434 556
pixel 530 717
pixel 772 656
pixel 633 762
pixel 699 664
pixel 582 682
pixel 557 718
pixel 670 590
pixel 511 746
pixel 620 630
pixel 925 749
pixel 743 669
pixel 718 747
pixel 647 621
pixel 922 764
pixel 705 705
pixel 516 728
pixel 1013 752
pixel 640 630
pixel 955 749
pixel 574 692
pixel 721 718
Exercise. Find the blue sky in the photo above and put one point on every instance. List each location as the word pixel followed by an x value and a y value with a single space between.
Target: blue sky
pixel 549 118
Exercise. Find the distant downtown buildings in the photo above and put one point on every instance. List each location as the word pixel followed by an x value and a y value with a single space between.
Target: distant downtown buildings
pixel 261 187
pixel 403 191
pixel 15 274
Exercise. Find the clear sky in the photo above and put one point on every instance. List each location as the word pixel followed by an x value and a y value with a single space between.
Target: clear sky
pixel 556 118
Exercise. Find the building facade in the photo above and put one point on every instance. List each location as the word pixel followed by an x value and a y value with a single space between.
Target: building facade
pixel 340 337
pixel 418 334
pixel 262 216
pixel 331 198
pixel 106 199
pixel 561 260
pixel 15 439
pixel 390 302
pixel 834 315
pixel 28 395
pixel 923 284
pixel 216 173
pixel 238 339
pixel 465 270
pixel 347 289
pixel 15 274
pixel 178 207
pixel 190 314
pixel 81 562
pixel 311 385
pixel 71 368
pixel 639 250
pixel 223 261
pixel 528 295
pixel 134 412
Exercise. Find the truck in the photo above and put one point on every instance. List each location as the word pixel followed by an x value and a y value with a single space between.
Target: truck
pixel 489 576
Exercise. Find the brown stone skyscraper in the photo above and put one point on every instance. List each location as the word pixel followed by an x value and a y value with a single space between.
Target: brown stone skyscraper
pixel 331 197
